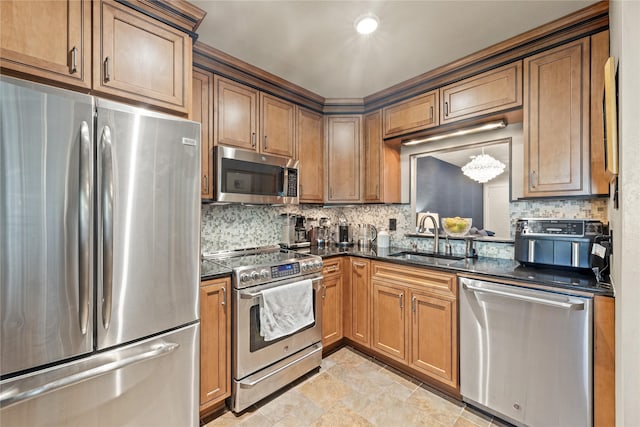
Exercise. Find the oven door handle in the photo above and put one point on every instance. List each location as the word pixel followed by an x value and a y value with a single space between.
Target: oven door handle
pixel 317 284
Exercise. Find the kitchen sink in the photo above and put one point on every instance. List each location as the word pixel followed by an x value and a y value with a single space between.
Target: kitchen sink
pixel 426 257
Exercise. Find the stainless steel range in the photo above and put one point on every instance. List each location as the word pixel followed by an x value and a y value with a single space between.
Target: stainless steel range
pixel 265 361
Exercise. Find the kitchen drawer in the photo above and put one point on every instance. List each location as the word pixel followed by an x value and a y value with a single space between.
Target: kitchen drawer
pixel 332 266
pixel 436 281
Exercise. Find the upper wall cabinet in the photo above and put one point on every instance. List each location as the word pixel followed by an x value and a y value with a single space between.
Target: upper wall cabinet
pixel 277 126
pixel 236 119
pixel 343 159
pixel 489 92
pixel 139 58
pixel 235 114
pixel 556 121
pixel 411 115
pixel 202 112
pixel 381 164
pixel 47 40
pixel 310 135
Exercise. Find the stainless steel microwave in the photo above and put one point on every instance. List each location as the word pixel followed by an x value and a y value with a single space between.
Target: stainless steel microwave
pixel 244 176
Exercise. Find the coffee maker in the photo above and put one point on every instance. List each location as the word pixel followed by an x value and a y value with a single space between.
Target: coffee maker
pixel 293 231
pixel 344 237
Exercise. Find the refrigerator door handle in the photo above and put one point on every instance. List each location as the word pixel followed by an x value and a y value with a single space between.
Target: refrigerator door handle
pixel 84 228
pixel 107 226
pixel 14 395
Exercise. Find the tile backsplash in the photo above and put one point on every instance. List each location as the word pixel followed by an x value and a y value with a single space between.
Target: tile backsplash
pixel 237 226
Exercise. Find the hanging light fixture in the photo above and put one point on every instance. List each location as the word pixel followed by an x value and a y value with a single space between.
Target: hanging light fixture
pixel 483 168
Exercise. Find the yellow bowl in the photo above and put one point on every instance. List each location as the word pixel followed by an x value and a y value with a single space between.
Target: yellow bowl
pixel 456 227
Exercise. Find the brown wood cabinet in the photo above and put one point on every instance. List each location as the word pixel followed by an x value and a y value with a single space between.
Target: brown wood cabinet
pixel 389 316
pixel 556 121
pixel 434 348
pixel 332 301
pixel 343 150
pixel 599 55
pixel 357 295
pixel 310 148
pixel 604 362
pixel 412 115
pixel 489 92
pixel 381 164
pixel 136 57
pixel 215 343
pixel 415 319
pixel 235 114
pixel 47 40
pixel 246 118
pixel 202 112
pixel 277 126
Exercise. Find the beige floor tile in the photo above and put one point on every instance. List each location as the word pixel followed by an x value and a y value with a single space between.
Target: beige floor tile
pixel 352 389
pixel 341 416
pixel 435 407
pixel 292 403
pixel 389 411
pixel 324 390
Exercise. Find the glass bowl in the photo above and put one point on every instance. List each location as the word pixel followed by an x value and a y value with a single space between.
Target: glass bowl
pixel 456 227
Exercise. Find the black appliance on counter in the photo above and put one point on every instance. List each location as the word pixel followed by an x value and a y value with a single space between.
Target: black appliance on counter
pixel 564 243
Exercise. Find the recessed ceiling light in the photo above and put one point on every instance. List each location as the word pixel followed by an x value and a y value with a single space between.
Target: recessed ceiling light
pixel 366 24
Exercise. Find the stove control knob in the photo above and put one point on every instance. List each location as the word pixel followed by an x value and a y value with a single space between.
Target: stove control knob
pixel 255 275
pixel 318 265
pixel 244 277
pixel 264 274
pixel 304 267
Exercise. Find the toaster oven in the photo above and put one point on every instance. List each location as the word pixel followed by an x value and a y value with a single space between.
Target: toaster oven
pixel 565 243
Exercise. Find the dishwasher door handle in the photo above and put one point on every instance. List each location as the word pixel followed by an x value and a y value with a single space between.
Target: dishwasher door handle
pixel 536 300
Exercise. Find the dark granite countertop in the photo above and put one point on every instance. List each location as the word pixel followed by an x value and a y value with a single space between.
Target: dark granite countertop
pixel 212 270
pixel 493 268
pixel 496 268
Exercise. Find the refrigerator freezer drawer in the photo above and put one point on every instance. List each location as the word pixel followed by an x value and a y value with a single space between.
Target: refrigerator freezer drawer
pixel 152 382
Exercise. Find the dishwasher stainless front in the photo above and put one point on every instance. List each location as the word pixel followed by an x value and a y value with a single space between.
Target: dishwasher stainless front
pixel 526 355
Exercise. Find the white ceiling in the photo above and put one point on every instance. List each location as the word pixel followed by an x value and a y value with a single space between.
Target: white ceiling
pixel 314 44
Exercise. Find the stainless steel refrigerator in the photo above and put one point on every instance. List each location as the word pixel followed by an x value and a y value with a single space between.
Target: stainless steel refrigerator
pixel 99 261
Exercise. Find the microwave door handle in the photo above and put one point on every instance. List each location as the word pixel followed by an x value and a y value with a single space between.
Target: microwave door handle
pixel 107 226
pixel 84 228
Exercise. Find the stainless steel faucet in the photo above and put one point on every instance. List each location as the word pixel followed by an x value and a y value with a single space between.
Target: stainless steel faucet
pixel 436 237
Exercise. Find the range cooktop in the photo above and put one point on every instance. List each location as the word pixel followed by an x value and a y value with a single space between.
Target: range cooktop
pixel 255 266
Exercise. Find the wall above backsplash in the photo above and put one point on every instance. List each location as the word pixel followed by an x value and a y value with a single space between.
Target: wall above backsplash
pixel 238 226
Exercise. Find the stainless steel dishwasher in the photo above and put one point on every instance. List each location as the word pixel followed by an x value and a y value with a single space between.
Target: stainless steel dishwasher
pixel 525 354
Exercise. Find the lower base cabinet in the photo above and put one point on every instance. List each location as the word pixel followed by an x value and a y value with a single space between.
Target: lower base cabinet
pixel 415 320
pixel 357 301
pixel 332 302
pixel 215 344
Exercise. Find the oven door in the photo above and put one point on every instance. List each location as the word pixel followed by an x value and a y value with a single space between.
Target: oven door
pixel 250 351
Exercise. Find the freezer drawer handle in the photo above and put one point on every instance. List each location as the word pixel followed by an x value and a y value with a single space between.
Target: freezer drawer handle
pixel 84 227
pixel 558 304
pixel 107 227
pixel 250 384
pixel 14 395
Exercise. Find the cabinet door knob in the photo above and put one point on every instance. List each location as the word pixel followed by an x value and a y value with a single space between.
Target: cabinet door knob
pixel 74 60
pixel 253 139
pixel 206 183
pixel 413 304
pixel 401 298
pixel 446 108
pixel 266 142
pixel 224 296
pixel 431 112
